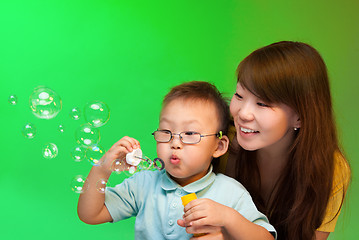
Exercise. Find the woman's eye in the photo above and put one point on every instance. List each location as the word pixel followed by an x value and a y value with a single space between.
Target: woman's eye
pixel 262 104
pixel 238 96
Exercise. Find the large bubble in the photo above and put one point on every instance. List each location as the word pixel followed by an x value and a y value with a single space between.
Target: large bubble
pixel 45 103
pixel 87 136
pixel 29 130
pixel 96 113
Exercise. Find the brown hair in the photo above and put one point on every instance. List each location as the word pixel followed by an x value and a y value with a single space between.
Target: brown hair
pixel 202 91
pixel 293 73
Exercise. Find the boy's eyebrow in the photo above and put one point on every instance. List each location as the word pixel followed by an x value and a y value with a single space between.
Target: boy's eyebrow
pixel 163 119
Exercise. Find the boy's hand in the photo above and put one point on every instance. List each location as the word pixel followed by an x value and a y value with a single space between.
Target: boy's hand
pixel 118 153
pixel 203 213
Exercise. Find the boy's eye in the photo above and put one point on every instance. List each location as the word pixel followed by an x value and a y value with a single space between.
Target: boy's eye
pixel 190 133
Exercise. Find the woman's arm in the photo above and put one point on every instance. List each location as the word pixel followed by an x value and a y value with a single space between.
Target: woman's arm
pixel 321 235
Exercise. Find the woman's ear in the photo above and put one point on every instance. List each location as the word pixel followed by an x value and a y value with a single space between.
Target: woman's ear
pixel 297 123
pixel 222 147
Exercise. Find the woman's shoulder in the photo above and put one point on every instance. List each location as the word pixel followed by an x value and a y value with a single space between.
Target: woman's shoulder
pixel 342 173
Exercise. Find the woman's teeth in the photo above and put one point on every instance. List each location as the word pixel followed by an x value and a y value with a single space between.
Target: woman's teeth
pixel 246 130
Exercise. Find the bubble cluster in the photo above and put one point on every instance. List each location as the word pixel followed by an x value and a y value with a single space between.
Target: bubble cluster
pixel 96 113
pixel 87 136
pixel 75 113
pixel 29 130
pixel 78 184
pixel 94 155
pixel 12 99
pixel 78 153
pixel 50 151
pixel 45 103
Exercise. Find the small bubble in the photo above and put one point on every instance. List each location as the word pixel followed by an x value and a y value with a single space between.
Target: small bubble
pixel 12 99
pixel 87 136
pixel 101 185
pixel 61 128
pixel 78 153
pixel 75 113
pixel 121 167
pixel 78 184
pixel 97 113
pixel 45 103
pixel 29 130
pixel 49 151
pixel 94 155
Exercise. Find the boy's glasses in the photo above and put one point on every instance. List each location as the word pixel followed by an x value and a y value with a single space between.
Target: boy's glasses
pixel 165 136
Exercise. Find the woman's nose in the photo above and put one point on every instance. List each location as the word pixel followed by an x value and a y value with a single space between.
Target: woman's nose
pixel 245 112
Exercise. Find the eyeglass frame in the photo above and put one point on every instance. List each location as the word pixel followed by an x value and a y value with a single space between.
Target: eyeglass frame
pixel 218 134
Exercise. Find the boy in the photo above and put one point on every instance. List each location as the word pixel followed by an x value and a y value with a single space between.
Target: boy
pixel 192 127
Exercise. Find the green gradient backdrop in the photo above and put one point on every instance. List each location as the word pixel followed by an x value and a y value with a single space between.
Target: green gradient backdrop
pixel 129 55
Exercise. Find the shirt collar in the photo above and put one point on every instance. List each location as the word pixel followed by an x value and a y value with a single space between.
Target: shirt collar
pixel 168 184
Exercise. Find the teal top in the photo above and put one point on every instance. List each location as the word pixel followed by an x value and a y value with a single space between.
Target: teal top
pixel 155 200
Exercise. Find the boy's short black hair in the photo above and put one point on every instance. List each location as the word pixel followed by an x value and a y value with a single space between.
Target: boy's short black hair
pixel 203 91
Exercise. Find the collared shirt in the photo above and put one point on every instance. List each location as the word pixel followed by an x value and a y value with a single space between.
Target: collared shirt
pixel 155 199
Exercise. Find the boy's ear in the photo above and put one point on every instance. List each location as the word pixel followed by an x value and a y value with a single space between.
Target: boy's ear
pixel 222 147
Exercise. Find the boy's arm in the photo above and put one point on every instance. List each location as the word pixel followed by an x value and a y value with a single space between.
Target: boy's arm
pixel 91 207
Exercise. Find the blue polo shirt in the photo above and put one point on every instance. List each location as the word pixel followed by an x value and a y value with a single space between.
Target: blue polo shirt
pixel 155 200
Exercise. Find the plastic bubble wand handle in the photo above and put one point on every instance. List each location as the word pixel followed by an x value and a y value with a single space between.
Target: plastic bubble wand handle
pixel 135 157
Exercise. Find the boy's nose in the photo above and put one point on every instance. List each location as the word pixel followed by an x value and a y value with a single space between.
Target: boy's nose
pixel 176 142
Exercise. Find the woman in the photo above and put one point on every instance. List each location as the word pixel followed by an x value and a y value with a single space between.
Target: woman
pixel 285 150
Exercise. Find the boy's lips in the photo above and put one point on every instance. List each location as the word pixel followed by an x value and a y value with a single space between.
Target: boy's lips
pixel 174 159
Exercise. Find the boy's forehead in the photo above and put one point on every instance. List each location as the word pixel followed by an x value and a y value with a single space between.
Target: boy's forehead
pixel 194 110
pixel 190 102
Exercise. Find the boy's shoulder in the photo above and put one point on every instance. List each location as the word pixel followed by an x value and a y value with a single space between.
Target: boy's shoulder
pixel 228 184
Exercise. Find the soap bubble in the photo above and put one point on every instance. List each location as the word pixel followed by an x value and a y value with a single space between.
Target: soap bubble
pixel 101 185
pixel 87 136
pixel 79 184
pixel 61 128
pixel 45 103
pixel 12 99
pixel 50 151
pixel 29 130
pixel 144 165
pixel 96 113
pixel 94 155
pixel 75 113
pixel 120 166
pixel 77 153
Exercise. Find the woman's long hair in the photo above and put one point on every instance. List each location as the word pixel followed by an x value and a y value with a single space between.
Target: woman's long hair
pixel 293 73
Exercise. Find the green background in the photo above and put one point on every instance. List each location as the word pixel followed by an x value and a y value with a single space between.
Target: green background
pixel 128 55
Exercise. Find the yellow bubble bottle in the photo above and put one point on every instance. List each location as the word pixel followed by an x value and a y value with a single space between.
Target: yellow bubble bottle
pixel 185 200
